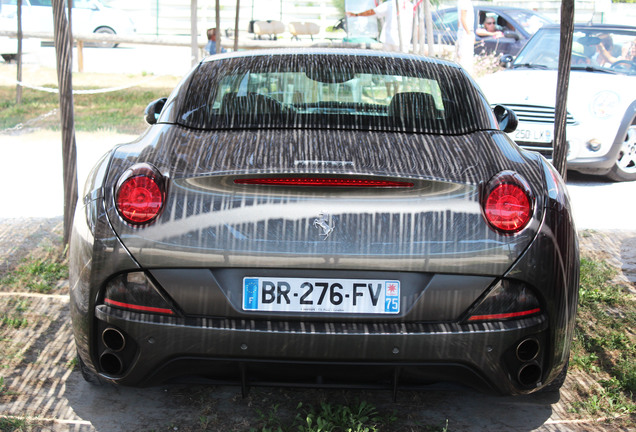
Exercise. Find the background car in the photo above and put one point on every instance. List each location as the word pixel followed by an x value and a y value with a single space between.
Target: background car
pixel 321 217
pixel 88 16
pixel 601 105
pixel 517 24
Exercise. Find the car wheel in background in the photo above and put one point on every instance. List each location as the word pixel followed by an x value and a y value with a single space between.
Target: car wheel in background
pixel 625 167
pixel 104 30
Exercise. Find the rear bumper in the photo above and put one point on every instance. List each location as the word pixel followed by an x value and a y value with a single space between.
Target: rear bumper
pixel 298 353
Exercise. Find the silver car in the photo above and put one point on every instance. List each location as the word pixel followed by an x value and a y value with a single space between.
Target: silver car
pixel 601 105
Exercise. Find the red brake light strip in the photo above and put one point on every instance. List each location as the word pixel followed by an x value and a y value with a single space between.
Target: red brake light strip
pixel 138 307
pixel 323 182
pixel 504 315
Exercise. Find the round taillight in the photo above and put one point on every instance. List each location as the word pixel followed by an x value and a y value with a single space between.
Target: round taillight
pixel 508 207
pixel 139 199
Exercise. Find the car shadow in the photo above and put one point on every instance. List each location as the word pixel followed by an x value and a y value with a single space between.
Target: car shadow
pixel 576 178
pixel 114 408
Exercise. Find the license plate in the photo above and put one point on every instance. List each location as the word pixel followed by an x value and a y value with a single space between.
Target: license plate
pixel 364 296
pixel 530 133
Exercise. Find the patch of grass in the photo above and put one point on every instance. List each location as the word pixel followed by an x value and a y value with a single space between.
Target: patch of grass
pixel 39 272
pixel 73 363
pixel 13 316
pixel 602 347
pixel 121 111
pixel 18 424
pixel 595 286
pixel 12 424
pixel 357 417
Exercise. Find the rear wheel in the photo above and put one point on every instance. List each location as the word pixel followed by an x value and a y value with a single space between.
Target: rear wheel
pixel 556 383
pixel 88 375
pixel 625 167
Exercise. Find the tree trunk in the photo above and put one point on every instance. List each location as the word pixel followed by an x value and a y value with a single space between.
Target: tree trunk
pixel 63 51
pixel 559 156
pixel 236 25
pixel 399 25
pixel 18 88
pixel 194 33
pixel 217 9
pixel 429 28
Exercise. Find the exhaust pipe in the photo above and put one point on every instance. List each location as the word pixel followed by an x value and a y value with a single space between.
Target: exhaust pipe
pixel 529 375
pixel 528 350
pixel 110 363
pixel 113 339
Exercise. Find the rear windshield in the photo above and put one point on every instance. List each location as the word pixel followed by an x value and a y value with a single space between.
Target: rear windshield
pixel 358 92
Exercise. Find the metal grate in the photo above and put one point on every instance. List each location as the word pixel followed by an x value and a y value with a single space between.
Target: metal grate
pixel 546 149
pixel 537 114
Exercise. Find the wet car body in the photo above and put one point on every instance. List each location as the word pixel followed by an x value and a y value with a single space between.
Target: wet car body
pixel 331 242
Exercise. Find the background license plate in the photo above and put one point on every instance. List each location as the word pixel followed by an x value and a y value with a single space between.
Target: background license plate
pixel 366 296
pixel 532 133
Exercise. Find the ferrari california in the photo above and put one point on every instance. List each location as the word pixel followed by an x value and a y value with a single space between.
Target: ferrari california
pixel 320 218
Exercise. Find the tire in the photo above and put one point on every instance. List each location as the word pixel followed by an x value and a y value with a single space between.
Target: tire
pixel 88 375
pixel 105 31
pixel 556 383
pixel 625 167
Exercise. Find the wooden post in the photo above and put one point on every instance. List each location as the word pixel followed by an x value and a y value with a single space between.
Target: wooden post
pixel 429 28
pixel 422 34
pixel 559 156
pixel 236 25
pixel 399 23
pixel 80 56
pixel 218 26
pixel 18 88
pixel 63 52
pixel 194 33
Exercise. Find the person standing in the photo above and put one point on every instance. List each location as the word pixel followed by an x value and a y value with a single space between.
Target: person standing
pixel 391 11
pixel 465 45
pixel 210 47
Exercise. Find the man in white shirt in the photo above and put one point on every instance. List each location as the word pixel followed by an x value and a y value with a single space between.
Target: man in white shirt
pixel 391 12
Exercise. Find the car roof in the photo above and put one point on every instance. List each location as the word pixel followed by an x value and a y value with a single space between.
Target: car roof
pixel 341 52
pixel 497 8
pixel 588 26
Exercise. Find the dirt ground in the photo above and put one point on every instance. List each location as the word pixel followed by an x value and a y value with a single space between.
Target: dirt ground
pixel 42 385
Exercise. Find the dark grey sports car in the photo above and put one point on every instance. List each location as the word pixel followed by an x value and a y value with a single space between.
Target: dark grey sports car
pixel 325 217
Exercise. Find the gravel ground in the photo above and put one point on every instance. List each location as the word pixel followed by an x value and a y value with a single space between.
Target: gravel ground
pixel 45 389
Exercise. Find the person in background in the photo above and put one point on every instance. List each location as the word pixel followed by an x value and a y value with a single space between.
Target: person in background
pixel 390 37
pixel 604 56
pixel 465 45
pixel 629 52
pixel 489 29
pixel 210 47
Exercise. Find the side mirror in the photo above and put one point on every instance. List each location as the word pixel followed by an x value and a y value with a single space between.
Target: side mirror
pixel 506 61
pixel 512 35
pixel 506 118
pixel 151 114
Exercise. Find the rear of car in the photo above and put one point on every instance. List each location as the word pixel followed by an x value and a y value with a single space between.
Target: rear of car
pixel 325 217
